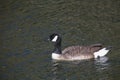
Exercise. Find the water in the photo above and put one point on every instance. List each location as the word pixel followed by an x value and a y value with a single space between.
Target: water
pixel 26 25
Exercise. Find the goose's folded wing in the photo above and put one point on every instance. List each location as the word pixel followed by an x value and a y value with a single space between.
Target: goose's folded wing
pixel 76 51
pixel 95 47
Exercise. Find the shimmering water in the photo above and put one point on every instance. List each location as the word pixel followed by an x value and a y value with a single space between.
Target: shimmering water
pixel 25 53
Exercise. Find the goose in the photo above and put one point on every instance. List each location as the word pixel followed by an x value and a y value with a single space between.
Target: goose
pixel 76 52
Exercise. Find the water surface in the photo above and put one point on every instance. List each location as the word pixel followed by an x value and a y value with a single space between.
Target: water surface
pixel 26 25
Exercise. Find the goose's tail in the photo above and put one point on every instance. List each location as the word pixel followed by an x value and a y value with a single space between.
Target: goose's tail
pixel 102 52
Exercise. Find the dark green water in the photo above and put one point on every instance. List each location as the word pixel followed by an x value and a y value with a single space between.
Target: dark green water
pixel 25 53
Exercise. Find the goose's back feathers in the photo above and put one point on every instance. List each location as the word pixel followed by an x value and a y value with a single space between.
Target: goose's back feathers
pixel 95 47
pixel 80 52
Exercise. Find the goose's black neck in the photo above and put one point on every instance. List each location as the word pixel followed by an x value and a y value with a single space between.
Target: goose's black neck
pixel 57 47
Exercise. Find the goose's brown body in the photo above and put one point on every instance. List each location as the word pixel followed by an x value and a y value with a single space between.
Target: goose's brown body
pixel 79 52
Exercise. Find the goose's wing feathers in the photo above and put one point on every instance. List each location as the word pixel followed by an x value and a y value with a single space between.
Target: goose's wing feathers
pixel 75 51
pixel 95 47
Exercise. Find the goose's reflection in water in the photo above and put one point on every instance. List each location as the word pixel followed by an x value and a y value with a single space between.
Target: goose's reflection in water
pixel 102 66
pixel 98 66
pixel 102 63
pixel 55 70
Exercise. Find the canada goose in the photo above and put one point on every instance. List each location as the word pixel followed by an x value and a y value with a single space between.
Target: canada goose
pixel 76 52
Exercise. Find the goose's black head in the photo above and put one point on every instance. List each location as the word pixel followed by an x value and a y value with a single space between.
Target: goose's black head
pixel 55 38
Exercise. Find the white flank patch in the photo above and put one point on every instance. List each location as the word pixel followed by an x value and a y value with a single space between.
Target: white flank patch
pixel 55 39
pixel 55 56
pixel 101 53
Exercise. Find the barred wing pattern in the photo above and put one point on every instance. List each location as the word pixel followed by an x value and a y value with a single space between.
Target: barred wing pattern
pixel 81 52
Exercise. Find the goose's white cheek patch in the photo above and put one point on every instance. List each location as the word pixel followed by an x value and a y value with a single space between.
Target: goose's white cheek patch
pixel 55 39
